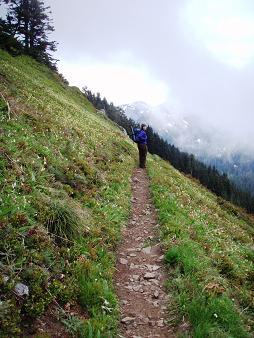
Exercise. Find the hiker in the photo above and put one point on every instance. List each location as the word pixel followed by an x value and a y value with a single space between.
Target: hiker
pixel 142 145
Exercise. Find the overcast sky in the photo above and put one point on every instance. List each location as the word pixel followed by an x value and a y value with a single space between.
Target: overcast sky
pixel 197 55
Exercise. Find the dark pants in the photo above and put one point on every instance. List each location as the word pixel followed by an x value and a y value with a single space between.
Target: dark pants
pixel 142 148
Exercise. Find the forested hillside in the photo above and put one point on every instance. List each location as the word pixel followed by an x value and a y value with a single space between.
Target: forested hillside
pixel 240 170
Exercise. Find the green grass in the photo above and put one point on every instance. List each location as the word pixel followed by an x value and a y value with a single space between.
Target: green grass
pixel 208 247
pixel 65 193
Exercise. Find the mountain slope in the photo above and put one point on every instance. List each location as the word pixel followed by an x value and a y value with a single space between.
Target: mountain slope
pixel 210 255
pixel 65 195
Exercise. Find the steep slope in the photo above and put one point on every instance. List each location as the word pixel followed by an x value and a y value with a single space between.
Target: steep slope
pixel 209 250
pixel 65 176
pixel 65 193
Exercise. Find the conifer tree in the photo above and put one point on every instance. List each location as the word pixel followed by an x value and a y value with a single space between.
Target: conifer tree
pixel 28 21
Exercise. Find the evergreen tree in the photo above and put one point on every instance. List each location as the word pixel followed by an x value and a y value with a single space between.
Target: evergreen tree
pixel 28 21
pixel 7 41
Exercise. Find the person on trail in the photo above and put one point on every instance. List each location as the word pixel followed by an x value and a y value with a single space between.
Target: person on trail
pixel 142 145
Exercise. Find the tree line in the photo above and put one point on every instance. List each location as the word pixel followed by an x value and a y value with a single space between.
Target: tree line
pixel 208 175
pixel 26 29
pixel 239 169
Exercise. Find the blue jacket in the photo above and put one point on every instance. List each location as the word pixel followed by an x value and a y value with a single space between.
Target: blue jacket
pixel 142 137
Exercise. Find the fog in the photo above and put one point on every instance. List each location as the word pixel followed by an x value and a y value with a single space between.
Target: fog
pixel 196 56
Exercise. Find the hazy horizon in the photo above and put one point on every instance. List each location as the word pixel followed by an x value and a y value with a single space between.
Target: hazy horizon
pixel 196 56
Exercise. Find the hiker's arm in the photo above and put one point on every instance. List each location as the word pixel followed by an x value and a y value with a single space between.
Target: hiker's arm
pixel 142 137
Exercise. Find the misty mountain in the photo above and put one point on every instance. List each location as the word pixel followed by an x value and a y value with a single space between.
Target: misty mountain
pixel 207 143
pixel 180 131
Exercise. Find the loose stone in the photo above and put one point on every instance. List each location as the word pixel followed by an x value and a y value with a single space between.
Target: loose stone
pixel 149 275
pixel 147 250
pixel 160 323
pixel 123 261
pixel 128 320
pixel 156 294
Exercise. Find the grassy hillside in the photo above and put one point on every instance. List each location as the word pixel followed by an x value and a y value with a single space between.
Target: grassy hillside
pixel 65 193
pixel 210 255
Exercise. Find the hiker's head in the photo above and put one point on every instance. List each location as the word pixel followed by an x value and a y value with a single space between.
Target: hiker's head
pixel 143 126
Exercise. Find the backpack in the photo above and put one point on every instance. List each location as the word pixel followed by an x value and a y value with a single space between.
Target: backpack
pixel 134 134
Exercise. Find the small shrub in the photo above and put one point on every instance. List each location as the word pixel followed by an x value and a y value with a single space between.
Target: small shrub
pixel 9 319
pixel 75 326
pixel 65 290
pixel 36 303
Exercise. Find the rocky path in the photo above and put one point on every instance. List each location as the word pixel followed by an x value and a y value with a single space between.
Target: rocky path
pixel 140 275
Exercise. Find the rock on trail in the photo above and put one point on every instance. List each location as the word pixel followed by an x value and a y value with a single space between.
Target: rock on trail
pixel 140 275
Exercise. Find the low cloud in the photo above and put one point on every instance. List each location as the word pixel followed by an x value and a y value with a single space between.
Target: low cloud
pixel 201 64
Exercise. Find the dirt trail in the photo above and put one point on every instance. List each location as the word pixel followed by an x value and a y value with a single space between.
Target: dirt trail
pixel 140 275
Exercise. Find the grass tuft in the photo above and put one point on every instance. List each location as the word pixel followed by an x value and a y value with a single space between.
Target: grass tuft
pixel 62 221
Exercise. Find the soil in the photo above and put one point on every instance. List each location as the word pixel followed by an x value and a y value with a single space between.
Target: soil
pixel 49 325
pixel 140 275
pixel 46 326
